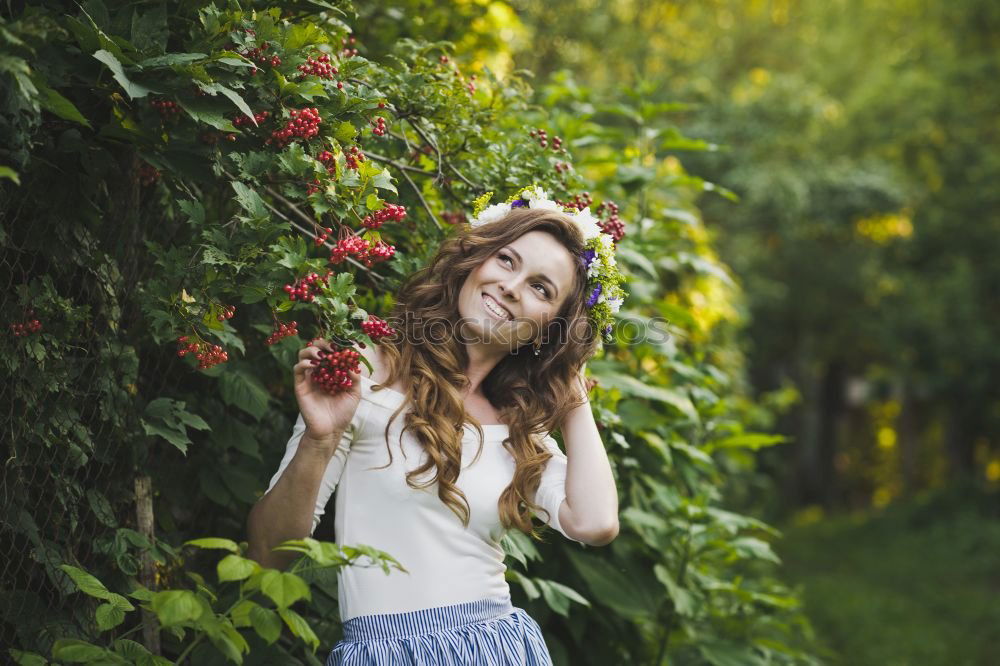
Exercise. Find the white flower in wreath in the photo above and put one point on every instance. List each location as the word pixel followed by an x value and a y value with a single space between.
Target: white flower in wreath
pixel 492 214
pixel 535 193
pixel 608 242
pixel 544 204
pixel 588 224
pixel 615 304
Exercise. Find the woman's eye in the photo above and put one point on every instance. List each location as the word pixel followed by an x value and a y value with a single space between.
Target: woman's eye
pixel 504 256
pixel 545 291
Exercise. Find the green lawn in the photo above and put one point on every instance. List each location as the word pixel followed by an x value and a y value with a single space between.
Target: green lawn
pixel 916 584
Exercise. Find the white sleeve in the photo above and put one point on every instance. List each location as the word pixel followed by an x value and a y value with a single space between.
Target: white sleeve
pixel 334 469
pixel 552 489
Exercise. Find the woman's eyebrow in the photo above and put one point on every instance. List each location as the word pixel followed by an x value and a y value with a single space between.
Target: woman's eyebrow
pixel 555 289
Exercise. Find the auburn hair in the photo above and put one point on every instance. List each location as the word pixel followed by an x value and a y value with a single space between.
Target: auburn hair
pixel 533 394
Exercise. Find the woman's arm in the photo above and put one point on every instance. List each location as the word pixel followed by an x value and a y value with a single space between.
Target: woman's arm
pixel 286 511
pixel 590 512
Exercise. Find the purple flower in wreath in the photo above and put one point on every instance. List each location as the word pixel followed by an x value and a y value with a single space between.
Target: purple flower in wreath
pixel 588 258
pixel 593 296
pixel 519 203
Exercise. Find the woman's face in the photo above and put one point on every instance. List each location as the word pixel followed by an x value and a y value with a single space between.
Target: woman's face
pixel 512 296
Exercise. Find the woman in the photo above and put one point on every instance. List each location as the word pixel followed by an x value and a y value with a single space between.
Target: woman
pixel 487 359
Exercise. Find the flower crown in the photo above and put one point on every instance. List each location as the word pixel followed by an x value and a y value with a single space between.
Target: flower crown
pixel 604 293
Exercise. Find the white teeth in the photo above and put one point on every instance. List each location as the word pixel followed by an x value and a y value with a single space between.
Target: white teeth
pixel 494 308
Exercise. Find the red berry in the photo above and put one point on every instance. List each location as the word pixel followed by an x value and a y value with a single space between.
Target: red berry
pixel 331 370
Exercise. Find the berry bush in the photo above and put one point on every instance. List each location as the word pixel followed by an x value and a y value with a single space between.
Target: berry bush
pixel 232 183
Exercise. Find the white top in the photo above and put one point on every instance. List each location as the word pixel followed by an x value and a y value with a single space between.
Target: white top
pixel 447 562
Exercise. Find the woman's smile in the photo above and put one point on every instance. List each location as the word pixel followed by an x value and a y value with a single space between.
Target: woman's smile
pixel 495 309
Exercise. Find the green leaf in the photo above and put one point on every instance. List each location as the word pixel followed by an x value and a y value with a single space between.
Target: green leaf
pixel 635 387
pixel 108 616
pixel 345 132
pixel 283 588
pixel 86 583
pixel 266 623
pixel 249 200
pixel 171 59
pixel 77 652
pixel 28 658
pixel 234 567
pixel 234 97
pixel 101 508
pixel 176 437
pixel 373 202
pixel 55 103
pixel 215 543
pixel 299 626
pixel 754 547
pixel 383 181
pixel 207 111
pixel 120 602
pixel 245 391
pixel 624 591
pixel 750 440
pixel 176 606
pixel 135 652
pixel 684 603
pixel 10 174
pixel 134 90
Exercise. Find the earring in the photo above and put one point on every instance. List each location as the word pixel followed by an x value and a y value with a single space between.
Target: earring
pixel 538 350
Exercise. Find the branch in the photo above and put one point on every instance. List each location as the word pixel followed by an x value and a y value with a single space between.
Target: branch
pixel 308 220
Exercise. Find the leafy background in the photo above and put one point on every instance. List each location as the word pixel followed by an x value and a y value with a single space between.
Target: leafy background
pixel 810 235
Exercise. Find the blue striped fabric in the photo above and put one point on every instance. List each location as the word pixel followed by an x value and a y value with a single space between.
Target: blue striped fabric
pixel 488 632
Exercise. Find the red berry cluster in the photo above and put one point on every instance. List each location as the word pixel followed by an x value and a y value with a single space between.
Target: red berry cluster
pixel 304 124
pixel 305 289
pixel 471 86
pixel 282 331
pixel 319 66
pixel 613 225
pixel 543 139
pixel 312 188
pixel 443 59
pixel 562 167
pixel 580 201
pixel 258 55
pixel 376 328
pixel 378 127
pixel 347 52
pixel 227 312
pixel 21 329
pixel 355 245
pixel 391 212
pixel 258 118
pixel 321 237
pixel 327 158
pixel 354 157
pixel 168 109
pixel 362 249
pixel 330 371
pixel 207 355
pixel 148 174
pixel 454 217
pixel 381 252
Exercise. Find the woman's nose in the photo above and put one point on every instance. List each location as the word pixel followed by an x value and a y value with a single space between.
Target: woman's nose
pixel 507 292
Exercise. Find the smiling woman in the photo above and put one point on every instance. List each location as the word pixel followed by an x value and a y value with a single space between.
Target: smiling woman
pixel 473 455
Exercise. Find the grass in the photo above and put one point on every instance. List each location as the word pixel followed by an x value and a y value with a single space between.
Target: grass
pixel 915 584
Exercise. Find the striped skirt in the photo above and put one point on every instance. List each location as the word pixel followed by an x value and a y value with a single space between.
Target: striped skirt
pixel 488 632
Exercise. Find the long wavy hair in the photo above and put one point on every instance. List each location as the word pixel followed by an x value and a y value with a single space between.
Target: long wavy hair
pixel 533 394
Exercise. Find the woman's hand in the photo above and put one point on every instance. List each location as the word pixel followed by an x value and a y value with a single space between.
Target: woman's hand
pixel 326 415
